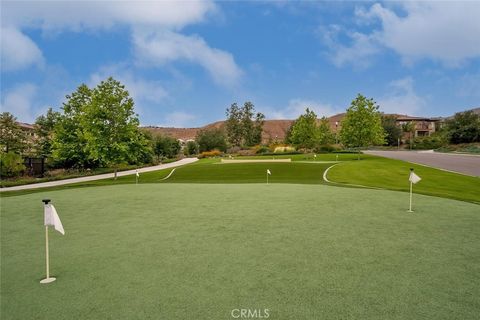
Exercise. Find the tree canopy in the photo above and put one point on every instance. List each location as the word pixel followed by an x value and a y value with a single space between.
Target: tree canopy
pixel 211 139
pixel 98 127
pixel 12 137
pixel 362 124
pixel 307 132
pixel 464 127
pixel 243 126
pixel 393 132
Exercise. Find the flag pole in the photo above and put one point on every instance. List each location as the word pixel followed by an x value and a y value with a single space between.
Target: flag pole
pixel 47 257
pixel 267 177
pixel 411 187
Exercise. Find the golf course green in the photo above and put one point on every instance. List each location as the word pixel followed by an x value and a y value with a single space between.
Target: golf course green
pixel 198 251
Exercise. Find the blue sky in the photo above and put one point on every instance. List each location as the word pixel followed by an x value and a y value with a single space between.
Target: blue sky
pixel 186 62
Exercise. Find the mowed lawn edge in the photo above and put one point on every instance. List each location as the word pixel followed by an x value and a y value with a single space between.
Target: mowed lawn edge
pixel 393 174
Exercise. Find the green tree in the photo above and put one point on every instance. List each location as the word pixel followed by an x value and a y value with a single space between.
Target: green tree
pixel 305 133
pixel 325 134
pixel 243 126
pixel 233 125
pixel 11 164
pixel 69 141
pixel 98 127
pixel 362 124
pixel 464 127
pixel 12 137
pixel 211 139
pixel 288 134
pixel 393 132
pixel 44 128
pixel 166 147
pixel 110 125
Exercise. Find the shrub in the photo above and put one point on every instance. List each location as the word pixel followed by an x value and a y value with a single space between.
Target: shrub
pixel 210 154
pixel 427 143
pixel 11 164
pixel 191 148
pixel 325 148
pixel 262 150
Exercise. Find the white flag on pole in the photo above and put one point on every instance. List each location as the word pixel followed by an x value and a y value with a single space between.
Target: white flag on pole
pixel 52 219
pixel 268 172
pixel 136 173
pixel 414 178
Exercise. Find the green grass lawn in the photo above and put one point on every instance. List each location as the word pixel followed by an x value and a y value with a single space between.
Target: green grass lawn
pixel 369 171
pixel 197 251
pixel 393 174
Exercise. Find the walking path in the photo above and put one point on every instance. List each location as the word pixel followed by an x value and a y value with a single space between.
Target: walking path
pixel 100 176
pixel 460 163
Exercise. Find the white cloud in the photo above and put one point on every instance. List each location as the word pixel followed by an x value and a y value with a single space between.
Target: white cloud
pixel 18 51
pixel 78 15
pixel 402 98
pixel 19 101
pixel 357 53
pixel 141 90
pixel 439 30
pixel 178 119
pixel 444 31
pixel 297 106
pixel 162 47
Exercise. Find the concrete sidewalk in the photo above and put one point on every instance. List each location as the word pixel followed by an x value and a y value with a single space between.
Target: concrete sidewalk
pixel 461 163
pixel 99 177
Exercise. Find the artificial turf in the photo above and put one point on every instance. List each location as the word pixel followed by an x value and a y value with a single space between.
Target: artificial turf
pixel 197 251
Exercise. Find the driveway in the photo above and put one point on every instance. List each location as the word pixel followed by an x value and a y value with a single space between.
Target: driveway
pixel 100 176
pixel 461 163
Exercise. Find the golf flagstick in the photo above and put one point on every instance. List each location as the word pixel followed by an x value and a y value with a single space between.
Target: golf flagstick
pixel 136 176
pixel 268 173
pixel 413 178
pixel 411 188
pixel 50 219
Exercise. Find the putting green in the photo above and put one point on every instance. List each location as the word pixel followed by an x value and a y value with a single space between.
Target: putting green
pixel 198 251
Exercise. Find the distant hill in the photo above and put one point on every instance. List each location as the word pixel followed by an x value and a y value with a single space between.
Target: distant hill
pixel 272 129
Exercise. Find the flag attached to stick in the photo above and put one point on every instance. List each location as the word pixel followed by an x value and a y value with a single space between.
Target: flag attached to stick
pixel 136 173
pixel 268 172
pixel 414 178
pixel 52 218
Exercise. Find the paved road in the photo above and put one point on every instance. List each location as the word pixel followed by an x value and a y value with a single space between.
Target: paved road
pixel 466 164
pixel 100 176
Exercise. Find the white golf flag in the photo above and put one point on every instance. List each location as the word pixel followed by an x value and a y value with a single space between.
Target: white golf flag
pixel 268 172
pixel 414 178
pixel 136 173
pixel 52 219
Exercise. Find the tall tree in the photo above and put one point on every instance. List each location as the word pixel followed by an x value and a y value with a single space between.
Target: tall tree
pixel 243 125
pixel 12 137
pixel 110 124
pixel 393 132
pixel 305 132
pixel 325 134
pixel 233 125
pixel 362 125
pixel 44 127
pixel 98 127
pixel 69 141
